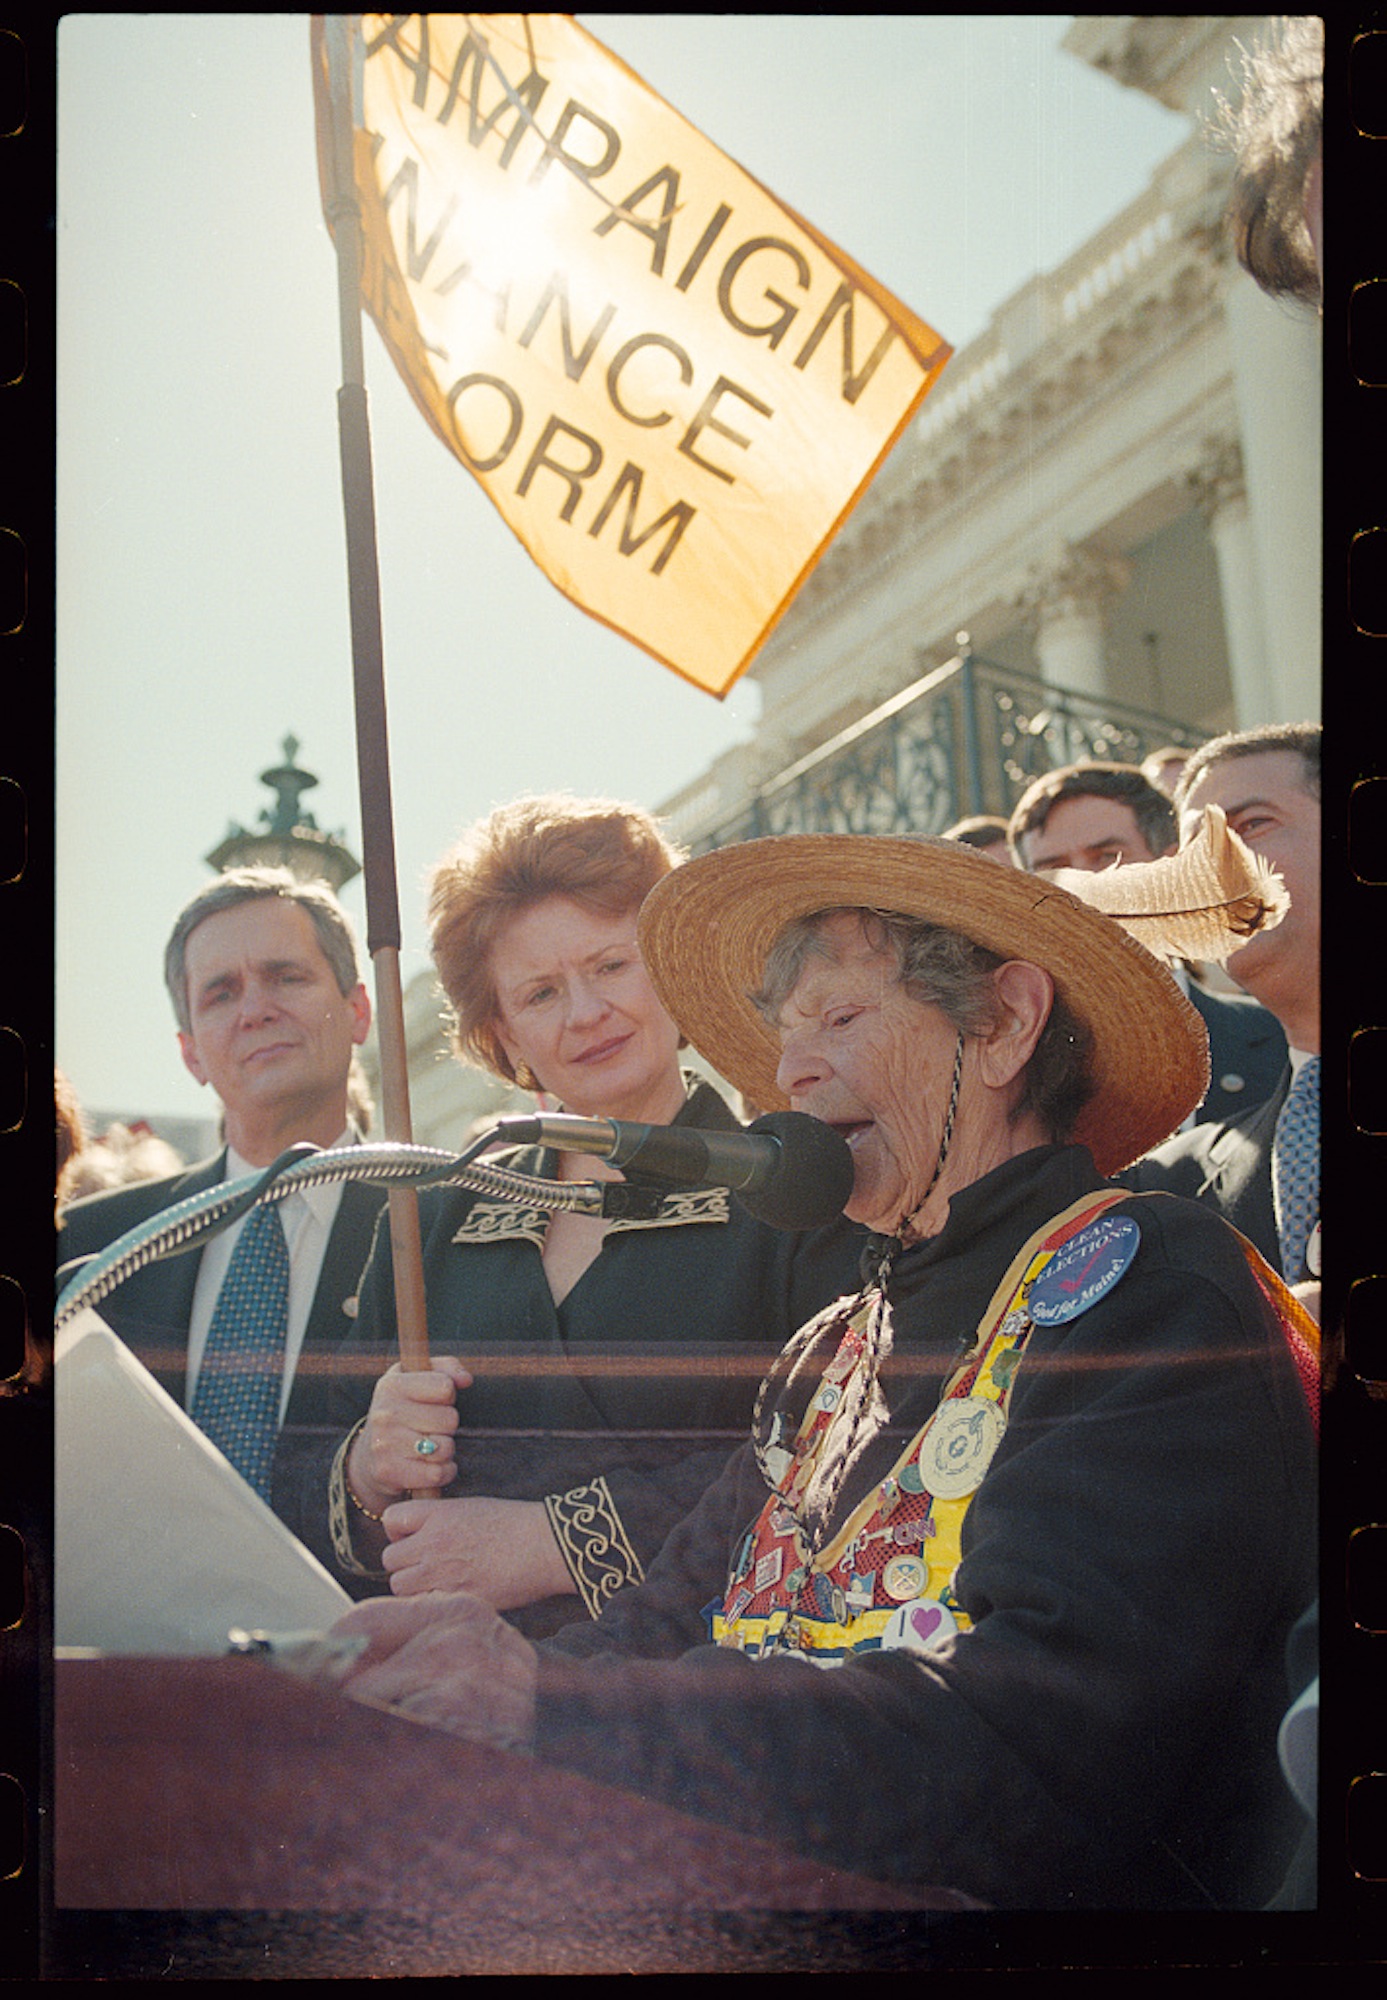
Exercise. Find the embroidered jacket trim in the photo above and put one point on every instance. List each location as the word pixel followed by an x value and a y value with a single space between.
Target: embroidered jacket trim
pixel 492 1221
pixel 593 1543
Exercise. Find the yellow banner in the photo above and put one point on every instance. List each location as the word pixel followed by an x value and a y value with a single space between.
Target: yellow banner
pixel 672 387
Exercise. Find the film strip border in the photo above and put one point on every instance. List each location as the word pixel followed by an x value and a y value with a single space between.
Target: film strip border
pixel 1353 1777
pixel 27 201
pixel 1353 1802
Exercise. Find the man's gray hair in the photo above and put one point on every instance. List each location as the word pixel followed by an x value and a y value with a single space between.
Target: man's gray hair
pixel 944 969
pixel 1300 739
pixel 249 885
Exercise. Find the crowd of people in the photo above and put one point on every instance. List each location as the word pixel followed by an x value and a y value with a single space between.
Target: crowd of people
pixel 967 1539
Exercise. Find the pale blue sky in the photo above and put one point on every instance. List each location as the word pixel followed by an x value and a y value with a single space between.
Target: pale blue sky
pixel 202 611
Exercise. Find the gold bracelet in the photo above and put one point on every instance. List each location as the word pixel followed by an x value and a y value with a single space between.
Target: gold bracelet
pixel 339 1512
pixel 359 1504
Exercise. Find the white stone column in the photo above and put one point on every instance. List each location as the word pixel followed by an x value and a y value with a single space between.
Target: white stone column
pixel 1067 601
pixel 1276 352
pixel 1221 490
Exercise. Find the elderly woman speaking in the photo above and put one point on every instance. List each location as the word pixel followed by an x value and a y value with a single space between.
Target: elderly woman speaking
pixel 1041 1493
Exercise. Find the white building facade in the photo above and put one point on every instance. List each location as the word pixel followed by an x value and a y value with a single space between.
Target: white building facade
pixel 1111 497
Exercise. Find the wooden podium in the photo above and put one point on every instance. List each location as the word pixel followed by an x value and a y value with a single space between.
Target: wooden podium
pixel 234 1820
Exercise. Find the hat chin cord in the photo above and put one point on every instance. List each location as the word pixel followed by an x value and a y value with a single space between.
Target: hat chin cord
pixel 946 1139
pixel 875 1339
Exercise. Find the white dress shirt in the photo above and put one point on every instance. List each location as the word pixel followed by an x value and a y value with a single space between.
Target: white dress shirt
pixel 307 1215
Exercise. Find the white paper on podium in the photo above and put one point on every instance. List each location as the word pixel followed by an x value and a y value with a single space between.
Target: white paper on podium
pixel 160 1546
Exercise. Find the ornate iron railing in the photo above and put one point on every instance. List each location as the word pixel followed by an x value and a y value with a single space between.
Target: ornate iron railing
pixel 967 738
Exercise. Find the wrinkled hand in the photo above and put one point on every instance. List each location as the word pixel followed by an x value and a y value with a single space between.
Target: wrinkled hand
pixel 405 1407
pixel 503 1551
pixel 449 1661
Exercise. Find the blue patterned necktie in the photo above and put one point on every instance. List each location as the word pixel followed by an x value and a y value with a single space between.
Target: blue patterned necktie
pixel 1295 1163
pixel 238 1386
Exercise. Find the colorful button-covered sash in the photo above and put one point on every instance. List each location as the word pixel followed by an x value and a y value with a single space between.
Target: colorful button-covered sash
pixel 885 1579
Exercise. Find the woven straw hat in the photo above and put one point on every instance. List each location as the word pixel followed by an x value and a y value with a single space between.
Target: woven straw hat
pixel 706 931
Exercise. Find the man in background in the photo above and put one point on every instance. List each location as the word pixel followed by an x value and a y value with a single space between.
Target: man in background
pixel 987 832
pixel 1095 816
pixel 1261 1170
pixel 262 972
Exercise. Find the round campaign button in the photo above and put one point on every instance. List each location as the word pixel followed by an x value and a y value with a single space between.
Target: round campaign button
pixel 1079 1274
pixel 921 1626
pixel 903 1577
pixel 957 1449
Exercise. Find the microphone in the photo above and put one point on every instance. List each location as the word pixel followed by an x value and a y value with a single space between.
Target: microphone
pixel 787 1169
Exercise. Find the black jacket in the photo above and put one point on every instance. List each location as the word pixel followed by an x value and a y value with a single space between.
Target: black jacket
pixel 1247 1053
pixel 1105 1735
pixel 1227 1166
pixel 628 1395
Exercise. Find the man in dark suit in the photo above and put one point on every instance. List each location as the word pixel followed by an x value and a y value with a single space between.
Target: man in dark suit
pixel 1095 816
pixel 1227 1164
pixel 262 972
pixel 1268 784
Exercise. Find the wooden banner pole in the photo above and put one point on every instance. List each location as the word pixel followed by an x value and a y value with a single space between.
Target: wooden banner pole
pixel 368 676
